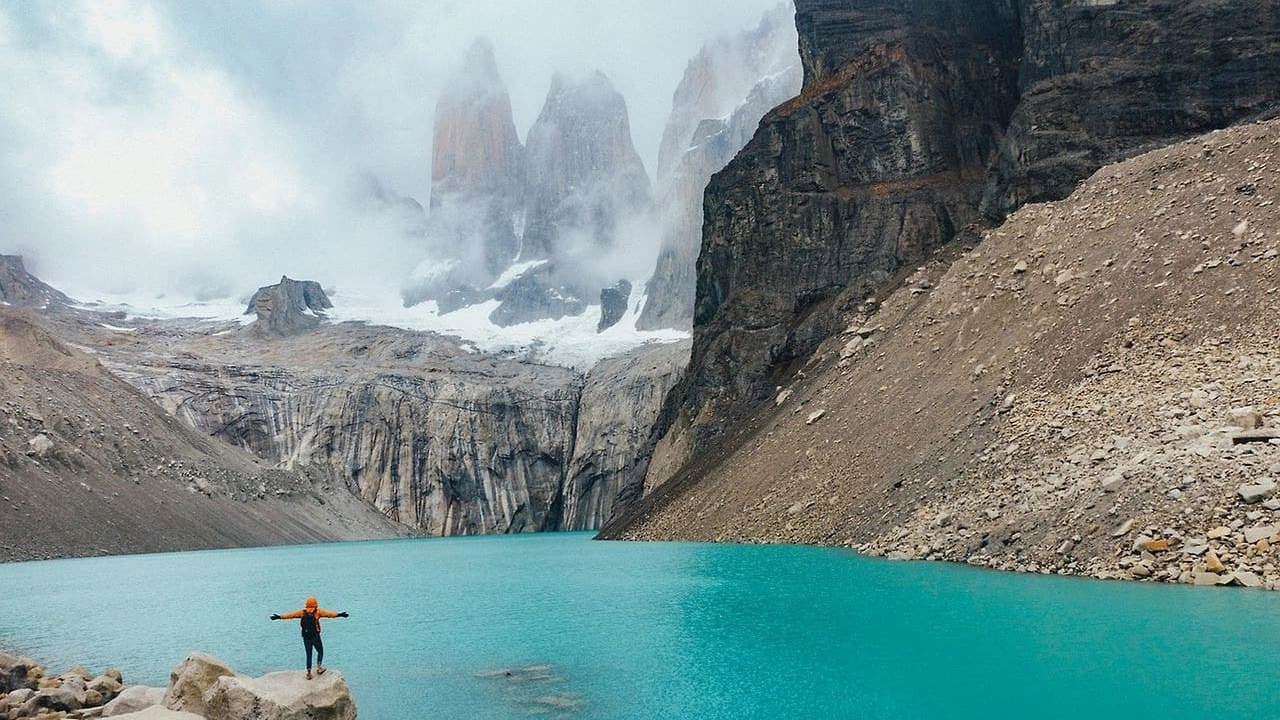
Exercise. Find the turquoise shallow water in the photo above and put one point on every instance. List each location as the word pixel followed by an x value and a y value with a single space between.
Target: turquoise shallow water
pixel 647 631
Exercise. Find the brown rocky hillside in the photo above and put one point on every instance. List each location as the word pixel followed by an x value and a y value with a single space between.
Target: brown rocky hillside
pixel 1068 396
pixel 88 465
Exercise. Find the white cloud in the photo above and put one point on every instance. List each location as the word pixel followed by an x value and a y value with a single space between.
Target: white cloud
pixel 215 145
pixel 124 30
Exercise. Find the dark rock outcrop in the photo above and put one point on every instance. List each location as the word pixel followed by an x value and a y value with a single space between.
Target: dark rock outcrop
pixel 880 161
pixel 19 288
pixel 726 89
pixel 540 293
pixel 1101 81
pixel 613 304
pixel 917 120
pixel 288 307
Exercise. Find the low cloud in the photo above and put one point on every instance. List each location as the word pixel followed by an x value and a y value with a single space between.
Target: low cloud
pixel 209 148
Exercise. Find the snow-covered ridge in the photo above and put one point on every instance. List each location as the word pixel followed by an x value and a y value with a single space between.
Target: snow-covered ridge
pixel 569 342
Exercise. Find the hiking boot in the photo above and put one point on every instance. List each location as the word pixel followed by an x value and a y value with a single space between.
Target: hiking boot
pixel 308 674
pixel 319 669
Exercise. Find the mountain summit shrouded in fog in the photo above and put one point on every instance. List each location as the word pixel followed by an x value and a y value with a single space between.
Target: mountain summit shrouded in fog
pixel 546 228
pixel 539 228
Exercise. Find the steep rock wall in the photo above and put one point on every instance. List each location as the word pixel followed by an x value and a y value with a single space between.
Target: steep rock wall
pixel 447 445
pixel 724 92
pixel 918 119
pixel 878 162
pixel 1101 81
pixel 620 401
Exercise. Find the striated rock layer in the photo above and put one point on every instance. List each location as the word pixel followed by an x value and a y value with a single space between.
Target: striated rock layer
pixel 918 120
pixel 439 440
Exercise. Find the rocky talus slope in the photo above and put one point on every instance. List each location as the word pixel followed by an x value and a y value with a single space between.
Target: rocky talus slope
pixel 919 122
pixel 1093 389
pixel 88 465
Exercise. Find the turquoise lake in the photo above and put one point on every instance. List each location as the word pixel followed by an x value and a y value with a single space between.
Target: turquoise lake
pixel 662 630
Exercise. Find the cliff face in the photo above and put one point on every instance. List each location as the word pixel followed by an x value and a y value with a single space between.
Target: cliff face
pixel 875 165
pixel 914 119
pixel 587 190
pixel 584 174
pixel 620 401
pixel 447 443
pixel 1090 390
pixel 1102 80
pixel 569 199
pixel 725 90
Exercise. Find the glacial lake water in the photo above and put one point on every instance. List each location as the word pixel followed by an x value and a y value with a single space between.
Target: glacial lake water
pixel 648 631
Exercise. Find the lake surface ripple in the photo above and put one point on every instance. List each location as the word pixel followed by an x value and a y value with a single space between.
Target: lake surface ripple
pixel 559 626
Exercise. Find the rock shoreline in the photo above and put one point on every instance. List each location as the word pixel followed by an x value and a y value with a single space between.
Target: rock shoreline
pixel 200 687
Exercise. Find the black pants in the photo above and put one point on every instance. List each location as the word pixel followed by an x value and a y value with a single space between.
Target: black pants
pixel 313 641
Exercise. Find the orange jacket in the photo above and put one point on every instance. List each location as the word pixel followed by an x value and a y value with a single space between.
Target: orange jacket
pixel 312 608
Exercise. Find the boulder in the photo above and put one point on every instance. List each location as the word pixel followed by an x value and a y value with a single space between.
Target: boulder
pixel 1260 532
pixel 192 679
pixel 1245 418
pixel 133 699
pixel 1213 563
pixel 158 712
pixel 1257 492
pixel 281 696
pixel 18 672
pixel 60 699
pixel 106 686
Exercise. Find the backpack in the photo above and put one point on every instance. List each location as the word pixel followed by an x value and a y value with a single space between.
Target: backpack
pixel 310 623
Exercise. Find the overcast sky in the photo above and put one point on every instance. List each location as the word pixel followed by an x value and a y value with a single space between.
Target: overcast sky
pixel 214 143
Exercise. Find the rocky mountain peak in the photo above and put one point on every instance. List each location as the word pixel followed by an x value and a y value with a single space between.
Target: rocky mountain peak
pixel 475 148
pixel 19 288
pixel 583 174
pixel 288 307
